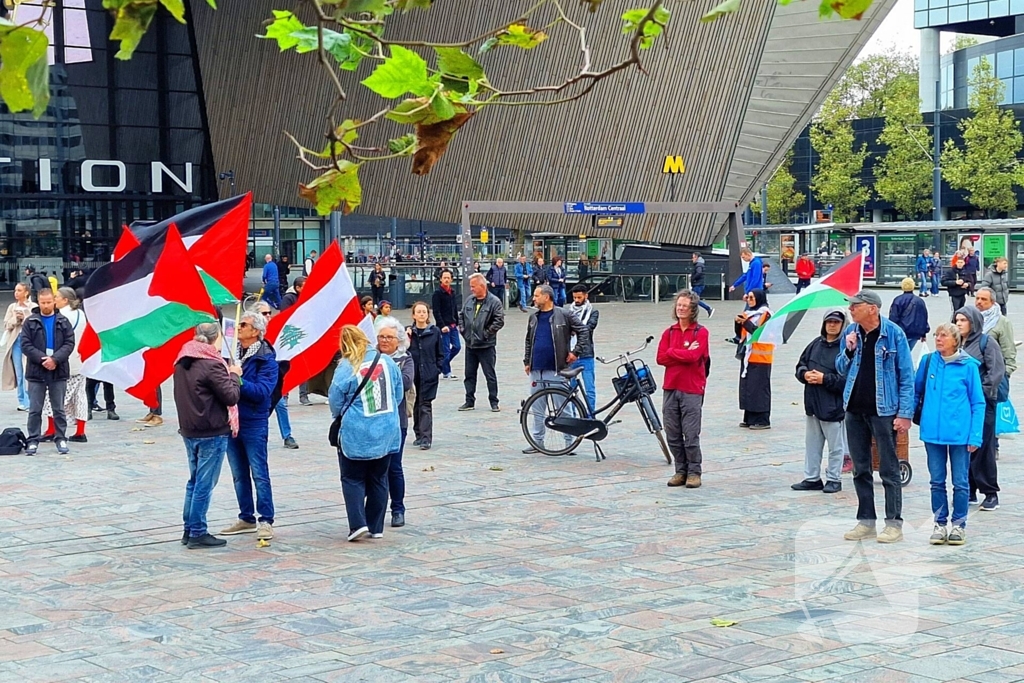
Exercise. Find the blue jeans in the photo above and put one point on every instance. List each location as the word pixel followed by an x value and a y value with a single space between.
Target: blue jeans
pixel 247 456
pixel 19 371
pixel 283 423
pixel 524 288
pixel 205 456
pixel 396 479
pixel 699 291
pixel 272 295
pixel 925 281
pixel 559 295
pixel 912 342
pixel 935 283
pixel 364 484
pixel 588 380
pixel 452 346
pixel 959 462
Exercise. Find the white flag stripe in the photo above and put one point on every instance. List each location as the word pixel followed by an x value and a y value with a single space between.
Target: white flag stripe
pixel 107 309
pixel 317 316
pixel 123 373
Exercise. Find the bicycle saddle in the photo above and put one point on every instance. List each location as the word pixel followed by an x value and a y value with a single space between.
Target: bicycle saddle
pixel 569 373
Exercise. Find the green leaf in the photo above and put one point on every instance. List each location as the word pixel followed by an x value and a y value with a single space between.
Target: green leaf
pixel 454 62
pixel 825 9
pixel 337 189
pixel 851 9
pixel 722 9
pixel 521 35
pixel 283 30
pixel 361 6
pixel 404 145
pixel 176 8
pixel 722 623
pixel 406 5
pixel 212 3
pixel 21 50
pixel 442 107
pixel 404 71
pixel 130 25
pixel 411 111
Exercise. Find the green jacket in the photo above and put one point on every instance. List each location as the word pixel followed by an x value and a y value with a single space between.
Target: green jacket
pixel 1003 334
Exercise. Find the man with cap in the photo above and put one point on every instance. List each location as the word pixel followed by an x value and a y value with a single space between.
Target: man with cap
pixel 879 401
pixel 823 404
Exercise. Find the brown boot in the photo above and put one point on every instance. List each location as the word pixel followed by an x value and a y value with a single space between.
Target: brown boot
pixel 677 480
pixel 693 481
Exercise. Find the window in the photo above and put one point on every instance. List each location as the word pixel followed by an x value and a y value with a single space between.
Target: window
pixel 938 17
pixel 920 20
pixel 1018 89
pixel 998 8
pixel 958 14
pixel 977 10
pixel 1004 63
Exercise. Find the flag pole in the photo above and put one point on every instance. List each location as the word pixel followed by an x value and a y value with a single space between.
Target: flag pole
pixel 238 314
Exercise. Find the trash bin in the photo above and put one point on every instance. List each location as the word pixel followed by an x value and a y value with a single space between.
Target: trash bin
pixel 397 294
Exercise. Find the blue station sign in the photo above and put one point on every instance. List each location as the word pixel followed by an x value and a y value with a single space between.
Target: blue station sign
pixel 603 208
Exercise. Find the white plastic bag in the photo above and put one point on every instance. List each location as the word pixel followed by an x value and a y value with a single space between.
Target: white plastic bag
pixel 921 349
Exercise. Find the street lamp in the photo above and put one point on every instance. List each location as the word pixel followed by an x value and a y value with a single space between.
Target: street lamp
pixel 230 176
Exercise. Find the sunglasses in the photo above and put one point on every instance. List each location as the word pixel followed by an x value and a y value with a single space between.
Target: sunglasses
pixel 243 325
pixel 266 314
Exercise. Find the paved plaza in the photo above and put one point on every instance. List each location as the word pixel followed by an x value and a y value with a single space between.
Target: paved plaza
pixel 512 568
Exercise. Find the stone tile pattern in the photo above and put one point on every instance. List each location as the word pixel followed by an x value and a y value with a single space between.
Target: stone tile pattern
pixel 512 568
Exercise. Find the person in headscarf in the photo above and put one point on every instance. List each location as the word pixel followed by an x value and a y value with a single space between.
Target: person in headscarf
pixel 755 364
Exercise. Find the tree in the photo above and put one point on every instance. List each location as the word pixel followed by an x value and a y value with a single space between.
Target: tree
pixel 783 198
pixel 870 83
pixel 961 41
pixel 986 168
pixel 837 177
pixel 903 176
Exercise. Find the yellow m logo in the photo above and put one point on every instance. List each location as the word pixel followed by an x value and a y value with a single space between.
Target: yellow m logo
pixel 674 164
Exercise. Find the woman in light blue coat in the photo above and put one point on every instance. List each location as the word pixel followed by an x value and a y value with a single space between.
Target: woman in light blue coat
pixel 369 431
pixel 952 406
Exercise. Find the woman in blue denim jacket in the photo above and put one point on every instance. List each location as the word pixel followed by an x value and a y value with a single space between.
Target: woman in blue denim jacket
pixel 369 431
pixel 948 389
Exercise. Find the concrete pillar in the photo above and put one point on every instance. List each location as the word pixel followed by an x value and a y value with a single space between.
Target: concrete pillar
pixel 876 215
pixel 930 68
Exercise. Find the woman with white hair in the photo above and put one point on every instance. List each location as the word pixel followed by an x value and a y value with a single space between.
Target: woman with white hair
pixel 247 451
pixel 76 402
pixel 392 340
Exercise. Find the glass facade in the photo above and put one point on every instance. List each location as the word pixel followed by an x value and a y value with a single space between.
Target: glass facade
pixel 1004 56
pixel 120 141
pixel 929 13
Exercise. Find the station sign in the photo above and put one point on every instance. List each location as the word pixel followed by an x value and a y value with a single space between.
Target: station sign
pixel 603 208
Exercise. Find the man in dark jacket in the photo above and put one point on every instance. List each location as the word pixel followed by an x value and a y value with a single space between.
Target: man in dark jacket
pixel 823 404
pixel 497 278
pixel 540 276
pixel 445 307
pixel 697 282
pixel 549 348
pixel 292 295
pixel 998 280
pixel 910 313
pixel 481 317
pixel 205 389
pixel 283 266
pixel 47 340
pixel 956 283
pixel 247 452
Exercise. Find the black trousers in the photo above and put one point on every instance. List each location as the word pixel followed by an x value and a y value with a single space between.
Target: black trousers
pixel 108 393
pixel 958 300
pixel 481 358
pixel 859 431
pixel 982 475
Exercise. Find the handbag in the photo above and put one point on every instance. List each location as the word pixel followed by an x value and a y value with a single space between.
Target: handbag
pixel 333 436
pixel 920 402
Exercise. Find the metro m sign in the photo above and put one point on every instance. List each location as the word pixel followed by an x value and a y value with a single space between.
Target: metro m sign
pixel 673 165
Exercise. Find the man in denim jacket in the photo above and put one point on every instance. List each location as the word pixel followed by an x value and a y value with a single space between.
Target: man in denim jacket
pixel 879 402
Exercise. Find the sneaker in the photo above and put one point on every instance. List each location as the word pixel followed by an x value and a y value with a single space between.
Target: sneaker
pixel 832 487
pixel 450 376
pixel 62 448
pixel 711 314
pixel 264 531
pixel 860 532
pixel 425 446
pixel 380 535
pixel 239 527
pixel 744 425
pixel 304 401
pixel 78 438
pixel 184 538
pixel 758 428
pixel 495 408
pixel 990 503
pixel 31 449
pixel 358 533
pixel 398 519
pixel 111 415
pixel 973 500
pixel 417 442
pixel 23 409
pixel 290 443
pixel 155 421
pixel 677 480
pixel 693 481
pixel 957 536
pixel 939 535
pixel 466 406
pixel 206 541
pixel 808 485
pixel 847 464
pixel 890 534
pixel 149 416
pixel 732 340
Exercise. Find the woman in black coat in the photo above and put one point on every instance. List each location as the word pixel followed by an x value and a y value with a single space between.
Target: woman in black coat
pixel 427 353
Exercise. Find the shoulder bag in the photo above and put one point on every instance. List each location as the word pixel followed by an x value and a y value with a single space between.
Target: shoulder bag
pixel 332 435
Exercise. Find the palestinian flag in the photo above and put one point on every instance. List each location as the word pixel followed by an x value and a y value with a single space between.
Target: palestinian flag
pixel 831 291
pixel 306 335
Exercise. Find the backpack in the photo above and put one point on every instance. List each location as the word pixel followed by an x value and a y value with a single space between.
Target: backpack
pixel 1003 391
pixel 12 440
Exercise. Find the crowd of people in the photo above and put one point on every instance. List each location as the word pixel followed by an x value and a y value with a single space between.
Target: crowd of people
pixel 861 390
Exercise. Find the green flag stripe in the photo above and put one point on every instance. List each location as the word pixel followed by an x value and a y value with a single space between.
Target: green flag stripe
pixel 820 299
pixel 219 294
pixel 149 331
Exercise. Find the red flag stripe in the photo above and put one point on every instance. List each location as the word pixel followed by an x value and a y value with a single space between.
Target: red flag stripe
pixel 329 263
pixel 313 360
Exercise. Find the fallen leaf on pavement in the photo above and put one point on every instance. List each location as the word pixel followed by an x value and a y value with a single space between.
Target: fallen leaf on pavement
pixel 495 468
pixel 149 441
pixel 497 651
pixel 722 623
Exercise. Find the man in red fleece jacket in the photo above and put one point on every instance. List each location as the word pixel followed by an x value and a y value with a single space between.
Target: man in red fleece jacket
pixel 804 272
pixel 685 354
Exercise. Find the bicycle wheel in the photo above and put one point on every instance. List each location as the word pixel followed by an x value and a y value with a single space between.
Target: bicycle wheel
pixel 653 422
pixel 542 405
pixel 664 446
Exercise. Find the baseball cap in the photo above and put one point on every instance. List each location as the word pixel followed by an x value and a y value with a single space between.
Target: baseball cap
pixel 866 296
pixel 835 315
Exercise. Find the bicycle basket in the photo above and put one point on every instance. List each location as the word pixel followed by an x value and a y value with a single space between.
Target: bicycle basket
pixel 624 384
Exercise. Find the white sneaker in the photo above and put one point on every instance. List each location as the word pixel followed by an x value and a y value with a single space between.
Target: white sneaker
pixel 358 533
pixel 381 535
pixel 451 376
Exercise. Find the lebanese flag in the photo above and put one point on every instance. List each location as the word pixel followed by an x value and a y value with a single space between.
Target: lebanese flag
pixel 307 334
pixel 831 291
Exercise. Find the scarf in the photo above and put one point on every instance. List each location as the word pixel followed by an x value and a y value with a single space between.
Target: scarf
pixel 758 316
pixel 991 317
pixel 246 354
pixel 583 313
pixel 196 349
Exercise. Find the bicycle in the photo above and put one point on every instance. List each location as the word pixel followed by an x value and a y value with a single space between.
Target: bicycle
pixel 561 406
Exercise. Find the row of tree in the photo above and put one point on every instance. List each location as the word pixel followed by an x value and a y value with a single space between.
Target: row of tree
pixel 984 166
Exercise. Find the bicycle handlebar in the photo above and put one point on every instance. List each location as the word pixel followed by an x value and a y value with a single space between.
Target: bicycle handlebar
pixel 627 354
